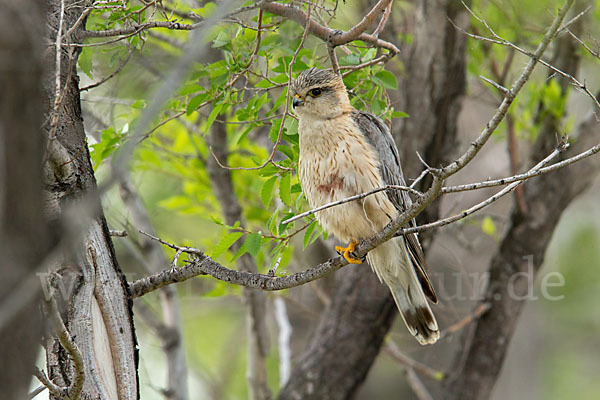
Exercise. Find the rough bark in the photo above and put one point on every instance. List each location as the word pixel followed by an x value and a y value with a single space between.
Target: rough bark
pixel 352 328
pixel 524 243
pixel 24 237
pixel 88 282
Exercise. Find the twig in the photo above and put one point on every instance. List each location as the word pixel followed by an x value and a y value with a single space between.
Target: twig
pixel 484 203
pixel 113 74
pixel 204 265
pixel 114 232
pixel 494 84
pixel 54 389
pixel 384 19
pixel 504 181
pixel 417 386
pixel 37 391
pixel 352 198
pixel 500 40
pixel 393 350
pixel 585 46
pixel 335 66
pixel 510 95
pixel 351 68
pixel 457 326
pixel 285 114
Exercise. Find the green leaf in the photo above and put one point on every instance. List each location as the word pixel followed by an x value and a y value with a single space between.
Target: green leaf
pixel 272 223
pixel 308 233
pixel 85 61
pixel 253 243
pixel 195 102
pixel 266 193
pixel 241 251
pixel 206 11
pixel 213 115
pixel 284 189
pixel 222 41
pixel 387 79
pixel 350 59
pixel 225 243
pixel 487 226
pixel 139 104
pixel 400 114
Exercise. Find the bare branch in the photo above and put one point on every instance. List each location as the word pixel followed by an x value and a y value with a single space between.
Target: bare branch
pixel 54 389
pixel 457 326
pixel 38 390
pixel 487 201
pixel 497 39
pixel 73 391
pixel 384 19
pixel 585 46
pixel 335 66
pixel 328 35
pixel 417 386
pixel 393 350
pixel 201 264
pixel 113 74
pixel 135 29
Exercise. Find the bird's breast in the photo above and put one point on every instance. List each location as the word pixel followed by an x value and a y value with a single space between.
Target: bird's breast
pixel 337 163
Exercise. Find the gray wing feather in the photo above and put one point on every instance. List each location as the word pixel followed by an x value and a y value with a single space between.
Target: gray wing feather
pixel 379 136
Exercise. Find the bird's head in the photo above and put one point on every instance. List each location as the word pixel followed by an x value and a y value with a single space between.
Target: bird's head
pixel 320 94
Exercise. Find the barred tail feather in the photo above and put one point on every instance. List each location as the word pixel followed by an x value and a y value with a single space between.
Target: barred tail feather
pixel 393 266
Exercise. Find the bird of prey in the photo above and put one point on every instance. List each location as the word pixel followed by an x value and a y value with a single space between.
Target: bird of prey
pixel 345 152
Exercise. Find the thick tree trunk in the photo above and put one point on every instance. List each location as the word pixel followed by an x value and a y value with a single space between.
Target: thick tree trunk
pixel 24 237
pixel 89 285
pixel 352 328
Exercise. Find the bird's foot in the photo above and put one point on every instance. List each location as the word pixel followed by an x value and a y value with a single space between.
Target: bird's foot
pixel 347 252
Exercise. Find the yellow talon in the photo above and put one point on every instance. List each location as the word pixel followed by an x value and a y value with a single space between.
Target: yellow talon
pixel 345 251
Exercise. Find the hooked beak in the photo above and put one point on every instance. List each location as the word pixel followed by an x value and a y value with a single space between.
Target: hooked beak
pixel 297 101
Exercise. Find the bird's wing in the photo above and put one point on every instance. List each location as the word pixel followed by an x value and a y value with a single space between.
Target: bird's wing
pixel 378 135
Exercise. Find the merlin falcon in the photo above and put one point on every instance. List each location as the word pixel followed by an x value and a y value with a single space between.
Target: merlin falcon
pixel 345 152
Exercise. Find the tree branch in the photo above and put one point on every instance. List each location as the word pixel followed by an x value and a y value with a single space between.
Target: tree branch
pixel 331 36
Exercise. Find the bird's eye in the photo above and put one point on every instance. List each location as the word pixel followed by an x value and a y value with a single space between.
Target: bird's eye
pixel 316 92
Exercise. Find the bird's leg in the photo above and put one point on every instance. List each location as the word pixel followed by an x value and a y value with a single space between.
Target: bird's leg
pixel 346 252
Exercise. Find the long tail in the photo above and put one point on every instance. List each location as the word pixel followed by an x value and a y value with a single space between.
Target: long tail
pixel 394 267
